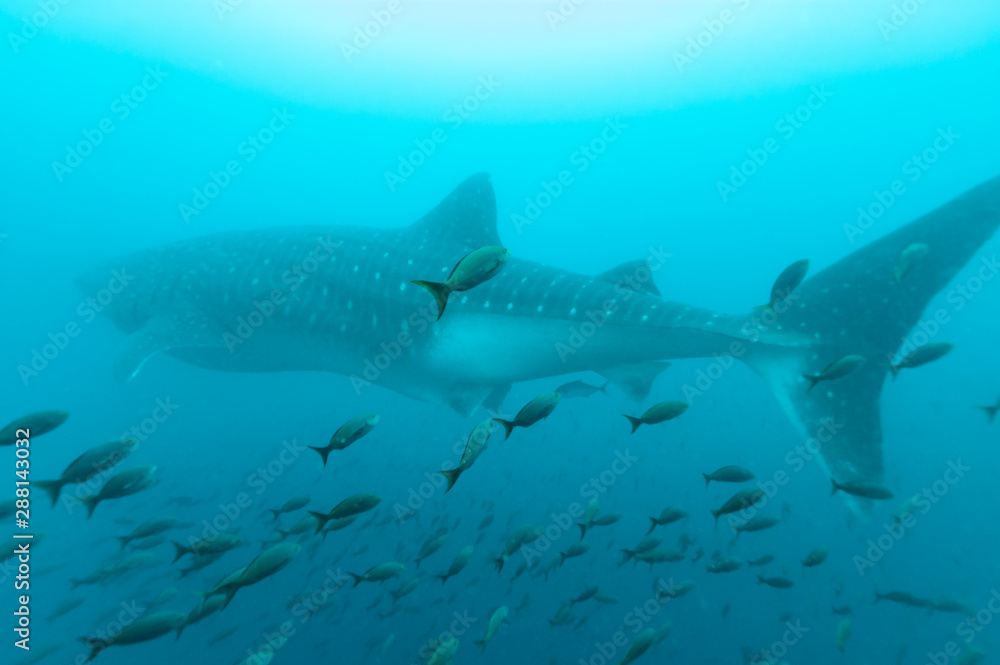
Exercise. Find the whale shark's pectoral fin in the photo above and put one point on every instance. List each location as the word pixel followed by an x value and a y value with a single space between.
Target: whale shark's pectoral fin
pixel 636 381
pixel 494 401
pixel 181 329
pixel 632 275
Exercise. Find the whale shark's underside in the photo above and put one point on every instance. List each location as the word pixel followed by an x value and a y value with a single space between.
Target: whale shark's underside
pixel 339 299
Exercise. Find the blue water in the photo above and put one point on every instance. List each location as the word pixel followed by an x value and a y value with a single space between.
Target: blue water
pixel 120 117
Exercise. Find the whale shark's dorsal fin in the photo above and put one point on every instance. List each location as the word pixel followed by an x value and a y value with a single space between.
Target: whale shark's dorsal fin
pixel 467 217
pixel 634 275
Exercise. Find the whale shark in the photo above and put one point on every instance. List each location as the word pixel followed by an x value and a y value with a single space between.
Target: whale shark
pixel 340 299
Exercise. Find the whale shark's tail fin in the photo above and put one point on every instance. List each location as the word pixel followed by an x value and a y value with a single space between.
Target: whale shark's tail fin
pixel 866 305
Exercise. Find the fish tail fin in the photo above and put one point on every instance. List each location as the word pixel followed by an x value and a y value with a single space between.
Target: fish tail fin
pixel 855 308
pixel 760 579
pixel 604 388
pixel 451 475
pixel 358 579
pixel 715 514
pixel 628 555
pixel 443 577
pixel 180 550
pixel 275 514
pixel 990 411
pixel 583 529
pixel 321 520
pixel 324 453
pixel 95 645
pixel 180 629
pixel 52 488
pixel 481 644
pixel 813 379
pixel 508 427
pixel 90 503
pixel 124 540
pixel 635 422
pixel 708 480
pixel 653 525
pixel 439 290
pixel 836 487
pixel 499 564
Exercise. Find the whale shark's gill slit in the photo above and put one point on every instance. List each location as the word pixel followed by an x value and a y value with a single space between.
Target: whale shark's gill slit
pixel 856 307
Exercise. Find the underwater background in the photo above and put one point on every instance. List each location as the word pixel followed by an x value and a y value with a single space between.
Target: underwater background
pixel 120 117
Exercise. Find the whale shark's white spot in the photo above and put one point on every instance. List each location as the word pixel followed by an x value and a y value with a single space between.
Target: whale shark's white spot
pixel 402 287
pixel 350 304
pixel 312 319
pixel 572 311
pixel 510 306
pixel 355 267
pixel 253 282
pixel 409 262
pixel 524 279
pixel 539 308
pixel 378 275
pixel 645 318
pixel 374 321
pixel 486 304
pixel 464 300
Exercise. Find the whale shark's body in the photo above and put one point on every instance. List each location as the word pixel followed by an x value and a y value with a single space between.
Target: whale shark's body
pixel 339 299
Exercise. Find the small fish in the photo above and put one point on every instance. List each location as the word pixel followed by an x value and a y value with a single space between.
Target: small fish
pixel 124 483
pixel 816 557
pixel 739 501
pixel 432 545
pixel 579 549
pixel 524 534
pixel 910 257
pixel 587 594
pixel 921 356
pixel 37 424
pixel 562 615
pixel 990 411
pixel 658 413
pixel 776 582
pixel 843 632
pixel 605 598
pixel 473 269
pixel 904 598
pixel 497 619
pixel 762 561
pixel 458 565
pixel 659 556
pixel 724 565
pixel 646 544
pixel 348 433
pixel 843 611
pixel 670 590
pixel 835 370
pixel 380 573
pixel 352 505
pixel 863 489
pixel 90 464
pixel 580 390
pixel 148 528
pixel 206 546
pixel 729 474
pixel 758 523
pixel 537 409
pixel 669 515
pixel 789 280
pixel 476 444
pixel 289 506
pixel 145 628
pixel 405 589
pixel 640 645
